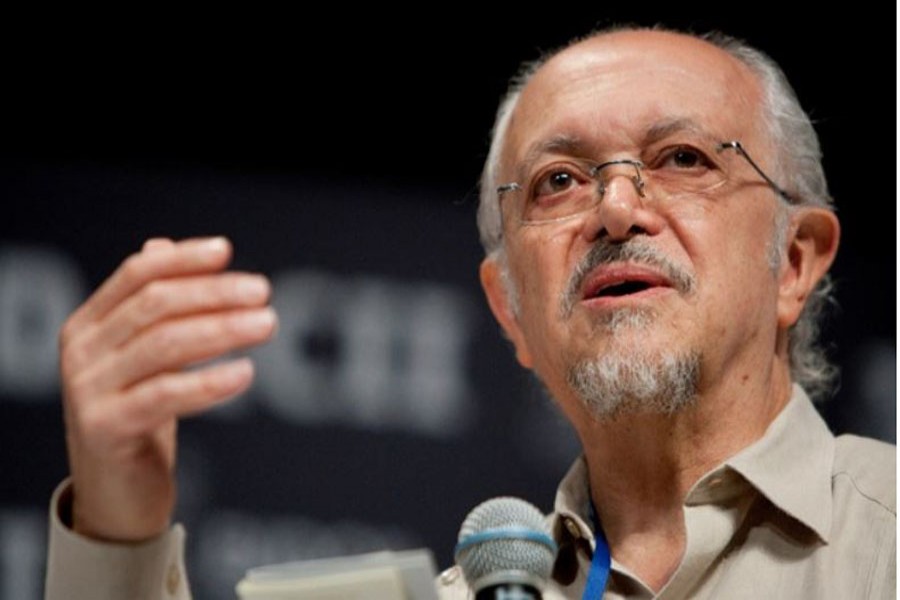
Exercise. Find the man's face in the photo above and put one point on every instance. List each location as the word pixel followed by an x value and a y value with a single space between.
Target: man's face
pixel 685 276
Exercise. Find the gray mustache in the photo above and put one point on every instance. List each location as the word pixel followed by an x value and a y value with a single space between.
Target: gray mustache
pixel 635 251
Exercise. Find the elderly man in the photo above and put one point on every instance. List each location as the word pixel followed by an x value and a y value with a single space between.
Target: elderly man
pixel 658 234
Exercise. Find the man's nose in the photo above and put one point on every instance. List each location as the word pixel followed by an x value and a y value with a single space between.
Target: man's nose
pixel 622 212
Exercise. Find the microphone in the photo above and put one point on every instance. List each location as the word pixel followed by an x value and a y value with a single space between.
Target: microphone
pixel 505 550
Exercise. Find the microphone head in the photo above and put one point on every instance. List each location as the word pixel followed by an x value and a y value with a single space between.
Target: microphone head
pixel 505 540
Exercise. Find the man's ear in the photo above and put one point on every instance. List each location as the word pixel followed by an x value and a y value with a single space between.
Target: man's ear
pixel 492 281
pixel 812 245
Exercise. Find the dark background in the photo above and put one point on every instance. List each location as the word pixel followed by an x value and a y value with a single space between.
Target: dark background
pixel 340 152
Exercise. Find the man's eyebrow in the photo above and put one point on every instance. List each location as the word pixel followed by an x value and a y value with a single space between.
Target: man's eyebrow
pixel 663 129
pixel 557 144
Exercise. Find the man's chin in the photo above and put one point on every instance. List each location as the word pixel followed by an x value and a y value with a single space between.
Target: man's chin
pixel 618 383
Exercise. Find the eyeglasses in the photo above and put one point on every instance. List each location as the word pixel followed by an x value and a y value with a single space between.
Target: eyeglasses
pixel 565 188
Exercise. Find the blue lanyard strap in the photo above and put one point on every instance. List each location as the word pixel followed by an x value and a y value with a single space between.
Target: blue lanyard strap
pixel 599 572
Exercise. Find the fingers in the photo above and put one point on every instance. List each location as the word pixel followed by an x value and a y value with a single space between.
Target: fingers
pixel 168 299
pixel 157 243
pixel 155 400
pixel 160 259
pixel 173 344
pixel 164 309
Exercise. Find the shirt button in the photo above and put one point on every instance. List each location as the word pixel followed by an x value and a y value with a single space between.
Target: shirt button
pixel 450 575
pixel 572 527
pixel 173 579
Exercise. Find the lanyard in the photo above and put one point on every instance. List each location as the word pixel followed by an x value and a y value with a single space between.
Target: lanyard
pixel 599 572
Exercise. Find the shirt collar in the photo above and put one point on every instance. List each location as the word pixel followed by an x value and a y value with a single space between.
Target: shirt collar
pixel 790 465
pixel 572 505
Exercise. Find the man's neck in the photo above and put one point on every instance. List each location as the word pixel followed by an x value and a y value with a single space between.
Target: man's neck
pixel 642 466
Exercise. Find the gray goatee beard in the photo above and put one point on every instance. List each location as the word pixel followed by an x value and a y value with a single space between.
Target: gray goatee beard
pixel 629 378
pixel 635 382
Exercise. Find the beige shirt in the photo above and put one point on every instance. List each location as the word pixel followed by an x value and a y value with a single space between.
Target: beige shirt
pixel 798 514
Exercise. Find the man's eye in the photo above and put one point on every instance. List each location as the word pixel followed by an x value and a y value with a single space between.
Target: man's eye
pixel 554 183
pixel 685 158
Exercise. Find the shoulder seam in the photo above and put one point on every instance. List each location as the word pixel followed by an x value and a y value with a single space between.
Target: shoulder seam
pixel 868 497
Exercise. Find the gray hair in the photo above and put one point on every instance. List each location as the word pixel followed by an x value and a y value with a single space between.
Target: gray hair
pixel 799 166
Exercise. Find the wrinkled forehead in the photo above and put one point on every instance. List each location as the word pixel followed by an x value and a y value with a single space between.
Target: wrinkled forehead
pixel 611 89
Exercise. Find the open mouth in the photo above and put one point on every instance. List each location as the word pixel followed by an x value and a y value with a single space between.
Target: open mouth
pixel 623 288
pixel 621 281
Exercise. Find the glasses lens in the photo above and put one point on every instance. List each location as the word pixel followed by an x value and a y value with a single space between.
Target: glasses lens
pixel 686 167
pixel 558 190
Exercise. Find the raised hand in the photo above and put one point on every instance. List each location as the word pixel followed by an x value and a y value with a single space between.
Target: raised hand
pixel 124 357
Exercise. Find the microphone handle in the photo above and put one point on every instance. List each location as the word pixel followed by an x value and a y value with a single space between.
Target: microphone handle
pixel 508 591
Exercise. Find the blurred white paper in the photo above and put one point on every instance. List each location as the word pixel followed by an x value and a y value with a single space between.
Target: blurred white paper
pixel 407 575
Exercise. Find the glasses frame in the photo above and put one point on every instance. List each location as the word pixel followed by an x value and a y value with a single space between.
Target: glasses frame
pixel 639 181
pixel 739 148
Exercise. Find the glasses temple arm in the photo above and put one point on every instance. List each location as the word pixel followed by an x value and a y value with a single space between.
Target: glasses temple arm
pixel 737 147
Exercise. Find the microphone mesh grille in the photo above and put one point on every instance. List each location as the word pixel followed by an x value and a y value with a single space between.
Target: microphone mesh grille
pixel 496 555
